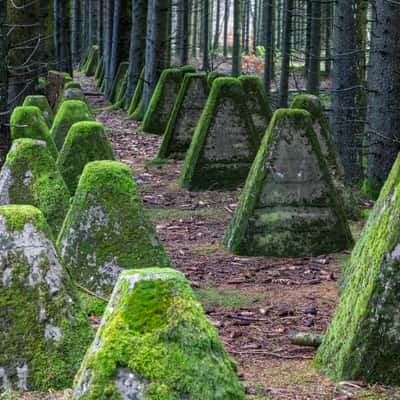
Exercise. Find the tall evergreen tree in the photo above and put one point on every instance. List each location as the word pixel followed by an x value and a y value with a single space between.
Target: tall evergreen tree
pixel 236 50
pixel 4 115
pixel 62 36
pixel 313 75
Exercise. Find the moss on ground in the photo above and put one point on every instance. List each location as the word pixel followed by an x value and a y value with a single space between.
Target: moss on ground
pixel 70 112
pixel 28 122
pixel 44 333
pixel 86 141
pixel 106 229
pixel 289 206
pixel 42 103
pixel 155 333
pixel 224 143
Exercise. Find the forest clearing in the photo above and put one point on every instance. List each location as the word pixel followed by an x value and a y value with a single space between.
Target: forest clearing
pixel 199 200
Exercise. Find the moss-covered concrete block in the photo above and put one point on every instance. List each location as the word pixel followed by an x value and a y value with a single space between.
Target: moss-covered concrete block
pixel 44 333
pixel 225 142
pixel 90 66
pixel 42 103
pixel 28 122
pixel 86 141
pixel 313 105
pixel 185 115
pixel 118 87
pixel 70 112
pixel 137 96
pixel 289 205
pixel 72 94
pixel 72 85
pixel 363 341
pixel 55 86
pixel 162 102
pixel 106 229
pixel 155 343
pixel 99 70
pixel 257 102
pixel 30 176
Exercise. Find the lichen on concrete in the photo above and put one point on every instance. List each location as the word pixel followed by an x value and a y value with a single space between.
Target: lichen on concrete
pixel 363 342
pixel 162 102
pixel 30 176
pixel 185 115
pixel 106 229
pixel 155 343
pixel 289 206
pixel 70 112
pixel 257 102
pixel 44 333
pixel 28 122
pixel 86 141
pixel 224 143
pixel 42 103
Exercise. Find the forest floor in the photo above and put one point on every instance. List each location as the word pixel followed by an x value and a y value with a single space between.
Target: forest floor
pixel 256 303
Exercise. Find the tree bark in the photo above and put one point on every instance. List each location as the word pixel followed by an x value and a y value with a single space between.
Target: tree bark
pixel 4 111
pixel 313 76
pixel 268 24
pixel 236 50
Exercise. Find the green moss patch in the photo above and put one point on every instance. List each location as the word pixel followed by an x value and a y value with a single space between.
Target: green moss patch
pixel 257 102
pixel 90 66
pixel 362 341
pixel 225 142
pixel 185 115
pixel 72 94
pixel 86 141
pixel 289 206
pixel 162 102
pixel 30 176
pixel 155 343
pixel 42 103
pixel 72 85
pixel 137 96
pixel 118 88
pixel 106 229
pixel 44 333
pixel 28 122
pixel 70 112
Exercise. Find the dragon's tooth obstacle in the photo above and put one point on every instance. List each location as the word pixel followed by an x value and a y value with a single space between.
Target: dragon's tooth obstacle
pixel 44 333
pixel 185 115
pixel 72 93
pixel 362 341
pixel 86 141
pixel 118 88
pixel 257 102
pixel 155 342
pixel 289 206
pixel 106 229
pixel 28 122
pixel 162 102
pixel 225 142
pixel 30 176
pixel 70 112
pixel 42 103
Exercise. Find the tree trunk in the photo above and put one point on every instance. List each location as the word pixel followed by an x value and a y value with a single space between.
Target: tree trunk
pixel 269 9
pixel 76 32
pixel 206 28
pixel 345 87
pixel 217 25
pixel 383 118
pixel 236 50
pixel 4 112
pixel 63 36
pixel 226 26
pixel 313 76
pixel 138 45
pixel 286 49
pixel 156 46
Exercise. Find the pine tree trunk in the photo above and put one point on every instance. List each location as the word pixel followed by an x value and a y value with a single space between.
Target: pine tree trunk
pixel 226 26
pixel 313 76
pixel 195 18
pixel 236 50
pixel 268 24
pixel 286 50
pixel 138 45
pixel 63 36
pixel 217 25
pixel 383 118
pixel 108 27
pixel 205 39
pixel 4 114
pixel 76 32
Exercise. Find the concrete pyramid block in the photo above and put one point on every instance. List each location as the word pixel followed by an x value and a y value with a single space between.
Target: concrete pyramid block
pixel 155 342
pixel 44 333
pixel 289 205
pixel 119 85
pixel 86 141
pixel 90 66
pixel 30 176
pixel 42 103
pixel 137 96
pixel 162 102
pixel 362 342
pixel 225 142
pixel 106 229
pixel 28 122
pixel 185 115
pixel 257 102
pixel 72 93
pixel 70 112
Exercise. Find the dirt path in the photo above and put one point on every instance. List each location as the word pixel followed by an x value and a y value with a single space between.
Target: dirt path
pixel 256 303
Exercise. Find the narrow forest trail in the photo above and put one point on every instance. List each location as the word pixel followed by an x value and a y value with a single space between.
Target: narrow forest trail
pixel 256 303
